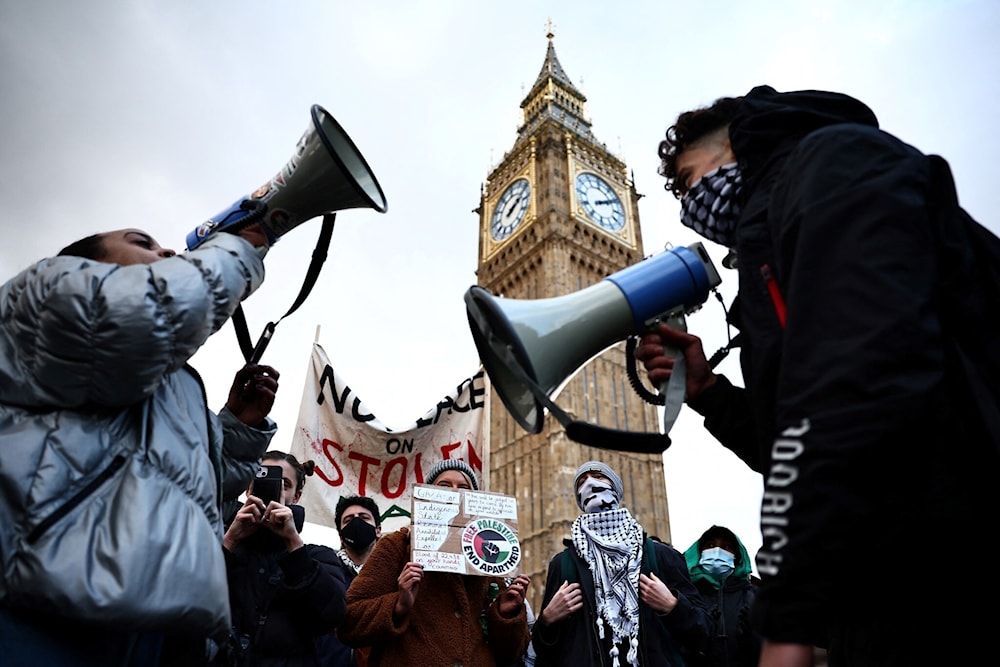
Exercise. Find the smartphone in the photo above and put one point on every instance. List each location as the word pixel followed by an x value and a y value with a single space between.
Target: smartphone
pixel 267 484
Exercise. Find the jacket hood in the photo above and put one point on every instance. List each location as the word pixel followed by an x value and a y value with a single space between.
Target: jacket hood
pixel 768 121
pixel 693 555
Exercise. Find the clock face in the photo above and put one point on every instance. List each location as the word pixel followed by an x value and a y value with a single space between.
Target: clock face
pixel 510 209
pixel 600 202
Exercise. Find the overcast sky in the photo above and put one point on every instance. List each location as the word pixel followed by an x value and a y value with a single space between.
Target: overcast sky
pixel 160 114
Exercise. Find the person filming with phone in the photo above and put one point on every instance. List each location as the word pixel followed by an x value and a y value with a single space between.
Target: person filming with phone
pixel 283 593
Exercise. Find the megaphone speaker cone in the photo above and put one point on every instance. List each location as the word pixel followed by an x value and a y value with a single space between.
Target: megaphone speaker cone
pixel 530 347
pixel 343 150
pixel 326 173
pixel 543 341
pixel 501 352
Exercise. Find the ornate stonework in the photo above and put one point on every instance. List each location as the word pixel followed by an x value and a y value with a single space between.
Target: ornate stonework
pixel 554 249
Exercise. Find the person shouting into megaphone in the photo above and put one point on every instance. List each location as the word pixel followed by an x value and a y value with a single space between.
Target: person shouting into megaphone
pixel 114 467
pixel 869 356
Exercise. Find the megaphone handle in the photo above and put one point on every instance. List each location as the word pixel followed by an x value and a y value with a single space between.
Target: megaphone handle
pixel 265 338
pixel 673 389
pixel 673 392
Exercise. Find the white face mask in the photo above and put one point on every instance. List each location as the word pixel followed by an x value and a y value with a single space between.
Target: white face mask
pixel 596 495
pixel 717 562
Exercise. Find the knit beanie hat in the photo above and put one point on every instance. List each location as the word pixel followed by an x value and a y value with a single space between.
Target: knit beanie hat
pixel 602 468
pixel 452 464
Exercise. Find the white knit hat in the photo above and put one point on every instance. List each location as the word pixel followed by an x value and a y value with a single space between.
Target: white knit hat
pixel 452 464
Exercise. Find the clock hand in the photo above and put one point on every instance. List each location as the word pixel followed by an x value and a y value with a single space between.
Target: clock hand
pixel 510 209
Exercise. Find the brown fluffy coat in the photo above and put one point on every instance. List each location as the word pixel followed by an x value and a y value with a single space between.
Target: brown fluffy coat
pixel 443 628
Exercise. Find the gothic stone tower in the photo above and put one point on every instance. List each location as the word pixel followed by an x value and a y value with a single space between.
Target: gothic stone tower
pixel 557 214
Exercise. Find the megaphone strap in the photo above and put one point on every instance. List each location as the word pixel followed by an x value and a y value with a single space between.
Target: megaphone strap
pixel 619 441
pixel 242 333
pixel 252 353
pixel 578 431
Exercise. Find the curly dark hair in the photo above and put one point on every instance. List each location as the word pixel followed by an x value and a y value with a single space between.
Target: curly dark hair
pixel 363 501
pixel 689 128
pixel 303 469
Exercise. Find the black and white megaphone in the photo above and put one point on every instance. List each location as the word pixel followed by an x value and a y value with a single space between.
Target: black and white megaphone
pixel 326 173
pixel 530 347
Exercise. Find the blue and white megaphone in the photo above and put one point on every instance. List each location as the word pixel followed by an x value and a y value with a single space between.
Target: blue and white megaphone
pixel 326 173
pixel 530 347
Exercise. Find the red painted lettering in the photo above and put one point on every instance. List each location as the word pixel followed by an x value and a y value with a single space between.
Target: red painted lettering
pixel 446 450
pixel 363 473
pixel 338 477
pixel 391 465
pixel 474 460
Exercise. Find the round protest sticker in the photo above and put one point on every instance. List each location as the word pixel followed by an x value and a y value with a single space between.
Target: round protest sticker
pixel 491 547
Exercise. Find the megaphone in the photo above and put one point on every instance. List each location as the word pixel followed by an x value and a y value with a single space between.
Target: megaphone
pixel 326 173
pixel 530 347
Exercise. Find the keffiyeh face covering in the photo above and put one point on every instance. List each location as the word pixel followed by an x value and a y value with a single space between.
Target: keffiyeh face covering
pixel 597 495
pixel 712 205
pixel 611 545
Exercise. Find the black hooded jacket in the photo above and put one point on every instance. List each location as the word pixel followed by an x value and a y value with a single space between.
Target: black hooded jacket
pixel 281 602
pixel 663 638
pixel 732 642
pixel 857 410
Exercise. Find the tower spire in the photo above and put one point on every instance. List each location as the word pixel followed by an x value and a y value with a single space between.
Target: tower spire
pixel 571 219
pixel 552 69
pixel 554 97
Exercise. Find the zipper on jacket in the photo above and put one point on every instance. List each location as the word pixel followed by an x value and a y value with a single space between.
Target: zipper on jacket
pixel 772 289
pixel 722 614
pixel 65 508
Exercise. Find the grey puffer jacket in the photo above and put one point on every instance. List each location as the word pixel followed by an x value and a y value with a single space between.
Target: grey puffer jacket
pixel 112 468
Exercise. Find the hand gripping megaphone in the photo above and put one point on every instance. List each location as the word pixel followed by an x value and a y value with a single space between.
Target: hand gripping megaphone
pixel 326 173
pixel 530 347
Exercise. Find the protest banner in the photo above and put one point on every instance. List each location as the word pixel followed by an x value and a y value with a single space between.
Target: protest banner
pixel 355 454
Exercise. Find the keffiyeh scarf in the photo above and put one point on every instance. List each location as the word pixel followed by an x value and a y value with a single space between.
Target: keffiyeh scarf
pixel 348 562
pixel 611 545
pixel 712 206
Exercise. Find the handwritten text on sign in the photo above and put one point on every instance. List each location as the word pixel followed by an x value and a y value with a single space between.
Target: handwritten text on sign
pixel 467 532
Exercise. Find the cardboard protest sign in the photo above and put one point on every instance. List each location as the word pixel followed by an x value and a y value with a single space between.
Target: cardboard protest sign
pixel 465 532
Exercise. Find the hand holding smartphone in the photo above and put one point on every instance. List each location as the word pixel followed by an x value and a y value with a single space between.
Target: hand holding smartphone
pixel 267 484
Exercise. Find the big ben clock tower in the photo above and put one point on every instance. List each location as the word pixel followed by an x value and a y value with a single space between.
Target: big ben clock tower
pixel 557 214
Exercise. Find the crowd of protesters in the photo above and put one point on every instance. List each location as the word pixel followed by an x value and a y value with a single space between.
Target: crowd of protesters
pixel 864 289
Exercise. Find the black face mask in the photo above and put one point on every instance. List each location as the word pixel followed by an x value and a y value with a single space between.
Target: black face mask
pixel 358 534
